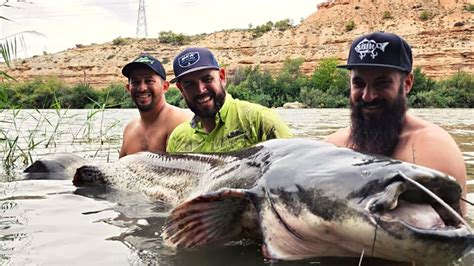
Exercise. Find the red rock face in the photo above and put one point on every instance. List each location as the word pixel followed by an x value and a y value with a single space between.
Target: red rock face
pixel 442 44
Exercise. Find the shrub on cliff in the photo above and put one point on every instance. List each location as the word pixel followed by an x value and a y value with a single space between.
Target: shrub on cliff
pixel 387 15
pixel 260 30
pixel 425 15
pixel 173 38
pixel 119 41
pixel 470 8
pixel 350 25
pixel 283 25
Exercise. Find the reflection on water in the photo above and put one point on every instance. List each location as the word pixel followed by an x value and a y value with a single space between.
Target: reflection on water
pixel 52 222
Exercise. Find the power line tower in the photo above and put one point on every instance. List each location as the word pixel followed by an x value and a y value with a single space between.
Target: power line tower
pixel 142 30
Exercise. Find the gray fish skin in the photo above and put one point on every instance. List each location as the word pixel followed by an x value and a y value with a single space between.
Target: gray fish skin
pixel 55 166
pixel 304 198
pixel 170 178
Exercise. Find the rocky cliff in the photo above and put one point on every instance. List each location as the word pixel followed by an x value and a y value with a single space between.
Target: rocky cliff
pixel 439 31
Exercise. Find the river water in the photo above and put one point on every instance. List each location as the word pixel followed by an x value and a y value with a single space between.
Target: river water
pixel 51 222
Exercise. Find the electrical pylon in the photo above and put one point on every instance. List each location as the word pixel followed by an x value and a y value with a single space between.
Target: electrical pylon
pixel 142 30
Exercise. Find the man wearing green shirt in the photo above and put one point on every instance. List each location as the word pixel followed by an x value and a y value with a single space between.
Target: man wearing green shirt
pixel 220 122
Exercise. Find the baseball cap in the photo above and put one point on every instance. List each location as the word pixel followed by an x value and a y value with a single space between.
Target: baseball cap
pixel 193 59
pixel 145 60
pixel 380 49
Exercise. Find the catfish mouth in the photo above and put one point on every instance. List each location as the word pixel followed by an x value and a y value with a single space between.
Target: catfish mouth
pixel 85 175
pixel 403 206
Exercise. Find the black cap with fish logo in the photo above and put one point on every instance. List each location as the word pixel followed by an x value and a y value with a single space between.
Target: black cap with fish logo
pixel 380 49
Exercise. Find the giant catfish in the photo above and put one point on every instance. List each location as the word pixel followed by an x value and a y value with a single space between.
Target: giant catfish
pixel 303 198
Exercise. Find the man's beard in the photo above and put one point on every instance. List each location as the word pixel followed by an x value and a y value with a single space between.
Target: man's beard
pixel 146 107
pixel 379 133
pixel 218 99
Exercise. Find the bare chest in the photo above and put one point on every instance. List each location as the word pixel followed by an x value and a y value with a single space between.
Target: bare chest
pixel 151 140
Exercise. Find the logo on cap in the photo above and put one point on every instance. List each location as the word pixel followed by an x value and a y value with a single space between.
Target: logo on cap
pixel 188 59
pixel 144 59
pixel 369 47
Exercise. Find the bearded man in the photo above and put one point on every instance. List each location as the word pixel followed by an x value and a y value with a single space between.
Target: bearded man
pixel 220 123
pixel 381 76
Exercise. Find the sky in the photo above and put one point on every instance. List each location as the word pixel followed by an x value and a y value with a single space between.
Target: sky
pixel 64 23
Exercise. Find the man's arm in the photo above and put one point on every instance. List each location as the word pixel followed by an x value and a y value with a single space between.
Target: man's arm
pixel 124 149
pixel 273 127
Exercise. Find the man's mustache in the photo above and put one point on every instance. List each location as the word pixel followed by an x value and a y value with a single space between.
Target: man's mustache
pixel 375 103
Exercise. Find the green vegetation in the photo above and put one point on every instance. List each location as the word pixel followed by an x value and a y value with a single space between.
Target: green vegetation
pixel 387 15
pixel 173 96
pixel 281 25
pixel 47 92
pixel 350 25
pixel 173 38
pixel 326 87
pixel 470 8
pixel 119 41
pixel 425 15
pixel 261 29
pixel 18 147
pixel 454 92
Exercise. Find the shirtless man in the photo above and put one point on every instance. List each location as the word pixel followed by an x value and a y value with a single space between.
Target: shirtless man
pixel 381 76
pixel 147 85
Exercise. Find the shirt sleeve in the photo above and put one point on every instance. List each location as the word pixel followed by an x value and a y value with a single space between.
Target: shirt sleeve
pixel 171 144
pixel 272 126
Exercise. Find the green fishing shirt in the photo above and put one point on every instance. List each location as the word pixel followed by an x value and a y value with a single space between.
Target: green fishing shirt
pixel 239 124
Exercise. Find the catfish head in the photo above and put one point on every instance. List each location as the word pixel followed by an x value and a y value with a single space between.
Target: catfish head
pixel 339 202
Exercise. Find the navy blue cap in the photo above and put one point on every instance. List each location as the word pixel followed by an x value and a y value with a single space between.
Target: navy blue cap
pixel 145 60
pixel 382 50
pixel 193 59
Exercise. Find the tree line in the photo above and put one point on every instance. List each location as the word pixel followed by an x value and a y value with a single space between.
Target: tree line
pixel 326 87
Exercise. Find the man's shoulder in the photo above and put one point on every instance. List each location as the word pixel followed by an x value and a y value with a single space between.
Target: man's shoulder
pixel 174 116
pixel 182 129
pixel 132 124
pixel 424 130
pixel 173 112
pixel 245 105
pixel 339 138
pixel 250 110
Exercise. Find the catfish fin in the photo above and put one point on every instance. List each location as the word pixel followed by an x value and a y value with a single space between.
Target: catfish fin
pixel 214 217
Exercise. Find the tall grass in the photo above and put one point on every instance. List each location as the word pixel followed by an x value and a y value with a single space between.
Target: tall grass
pixel 19 147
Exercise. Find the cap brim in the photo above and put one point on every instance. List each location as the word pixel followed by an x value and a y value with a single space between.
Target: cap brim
pixel 351 66
pixel 191 71
pixel 128 68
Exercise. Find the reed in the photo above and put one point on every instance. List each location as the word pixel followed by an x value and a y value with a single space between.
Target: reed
pixel 26 135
